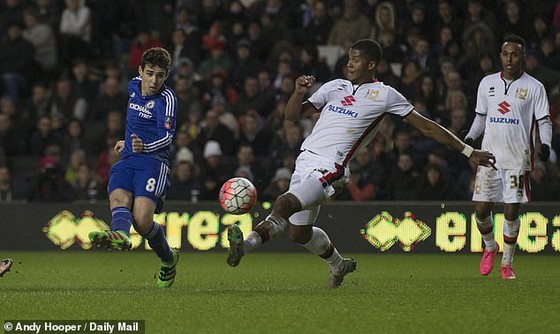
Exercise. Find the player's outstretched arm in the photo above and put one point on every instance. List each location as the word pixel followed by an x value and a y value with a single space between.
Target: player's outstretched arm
pixel 431 129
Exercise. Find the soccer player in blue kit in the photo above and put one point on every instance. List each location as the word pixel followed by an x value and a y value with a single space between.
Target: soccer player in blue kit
pixel 138 181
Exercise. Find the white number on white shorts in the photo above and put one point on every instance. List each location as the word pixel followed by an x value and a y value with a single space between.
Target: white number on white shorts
pixel 151 185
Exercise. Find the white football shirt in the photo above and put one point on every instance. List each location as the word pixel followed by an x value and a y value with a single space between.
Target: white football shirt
pixel 350 117
pixel 512 110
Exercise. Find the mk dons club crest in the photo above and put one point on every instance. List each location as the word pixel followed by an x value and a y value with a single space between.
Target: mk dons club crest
pixel 522 93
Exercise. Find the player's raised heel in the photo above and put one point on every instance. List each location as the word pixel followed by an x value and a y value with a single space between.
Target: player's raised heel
pixel 168 271
pixel 335 279
pixel 507 272
pixel 5 266
pixel 487 261
pixel 236 252
pixel 111 240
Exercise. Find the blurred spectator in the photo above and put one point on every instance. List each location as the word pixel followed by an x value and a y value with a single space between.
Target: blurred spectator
pixel 218 61
pixel 433 186
pixel 391 49
pixel 422 57
pixel 253 98
pixel 403 179
pixel 515 23
pixel 245 64
pixel 217 88
pixel 83 82
pixel 225 115
pixel 50 185
pixel 180 49
pixel 111 97
pixel 316 29
pixel 106 159
pixel 235 22
pixel 43 136
pixel 43 39
pixel 7 191
pixel 408 84
pixel 429 93
pixel 38 104
pixel 11 139
pixel 254 134
pixel 548 55
pixel 418 21
pixel 362 186
pixel 258 169
pixel 477 13
pixel 187 99
pixel 214 130
pixel 278 185
pixel 142 42
pixel 86 186
pixel 67 101
pixel 74 139
pixel 448 16
pixel 16 62
pixel 49 13
pixel 543 186
pixel 386 75
pixel 385 21
pixel 548 77
pixel 288 143
pixel 310 64
pixel 77 158
pixel 352 26
pixel 75 31
pixel 215 170
pixel 184 20
pixel 185 185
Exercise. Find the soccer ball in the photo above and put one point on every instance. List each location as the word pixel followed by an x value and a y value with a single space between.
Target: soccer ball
pixel 237 195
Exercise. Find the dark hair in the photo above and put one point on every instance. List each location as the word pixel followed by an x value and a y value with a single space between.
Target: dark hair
pixel 515 39
pixel 371 48
pixel 156 57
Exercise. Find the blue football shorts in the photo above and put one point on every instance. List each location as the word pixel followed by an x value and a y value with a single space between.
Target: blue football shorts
pixel 142 177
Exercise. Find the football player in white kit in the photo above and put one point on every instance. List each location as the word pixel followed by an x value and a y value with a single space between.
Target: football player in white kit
pixel 350 112
pixel 510 105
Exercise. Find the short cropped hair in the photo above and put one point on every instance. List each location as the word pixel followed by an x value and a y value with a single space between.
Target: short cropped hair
pixel 515 39
pixel 156 57
pixel 371 48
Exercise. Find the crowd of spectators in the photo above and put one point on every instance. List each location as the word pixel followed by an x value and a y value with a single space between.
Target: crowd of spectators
pixel 65 65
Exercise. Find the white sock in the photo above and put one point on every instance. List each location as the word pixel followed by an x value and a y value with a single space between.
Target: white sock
pixel 485 224
pixel 335 262
pixel 320 244
pixel 252 241
pixel 511 231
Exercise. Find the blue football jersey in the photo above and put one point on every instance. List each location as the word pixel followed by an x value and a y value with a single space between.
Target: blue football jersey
pixel 152 119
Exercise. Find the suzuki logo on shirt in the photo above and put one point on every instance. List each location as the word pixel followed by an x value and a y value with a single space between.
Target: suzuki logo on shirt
pixel 348 101
pixel 504 107
pixel 343 111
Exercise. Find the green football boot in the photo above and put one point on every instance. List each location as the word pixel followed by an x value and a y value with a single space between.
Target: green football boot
pixel 236 245
pixel 111 239
pixel 168 271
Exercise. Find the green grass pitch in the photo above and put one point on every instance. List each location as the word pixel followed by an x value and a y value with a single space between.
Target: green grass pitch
pixel 285 293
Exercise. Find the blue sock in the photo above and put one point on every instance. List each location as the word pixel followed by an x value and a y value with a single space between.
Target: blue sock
pixel 156 240
pixel 121 219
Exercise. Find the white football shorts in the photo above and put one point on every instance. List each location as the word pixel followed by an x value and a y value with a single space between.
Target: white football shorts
pixel 502 185
pixel 314 180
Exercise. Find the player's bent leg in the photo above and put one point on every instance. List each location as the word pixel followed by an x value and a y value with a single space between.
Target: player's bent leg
pixel 273 225
pixel 168 271
pixel 113 240
pixel 5 266
pixel 317 241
